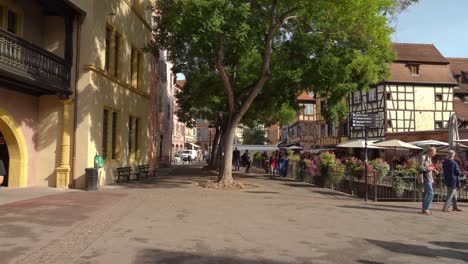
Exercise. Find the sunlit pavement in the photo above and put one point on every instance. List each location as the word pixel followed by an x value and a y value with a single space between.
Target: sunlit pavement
pixel 172 220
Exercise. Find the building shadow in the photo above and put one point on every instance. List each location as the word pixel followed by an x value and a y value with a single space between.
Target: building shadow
pixel 420 251
pixel 452 245
pixel 150 256
pixel 410 211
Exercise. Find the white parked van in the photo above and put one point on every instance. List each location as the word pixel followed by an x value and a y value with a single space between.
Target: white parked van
pixel 189 153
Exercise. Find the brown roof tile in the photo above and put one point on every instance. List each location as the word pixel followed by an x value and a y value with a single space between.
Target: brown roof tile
pixel 428 74
pixel 304 96
pixel 460 107
pixel 410 52
pixel 457 65
pixel 180 83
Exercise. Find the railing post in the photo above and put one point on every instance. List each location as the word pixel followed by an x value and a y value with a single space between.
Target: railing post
pixel 365 164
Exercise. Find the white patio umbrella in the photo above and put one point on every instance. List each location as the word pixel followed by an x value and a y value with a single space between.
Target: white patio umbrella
pixel 460 147
pixel 359 143
pixel 430 142
pixel 396 144
pixel 294 147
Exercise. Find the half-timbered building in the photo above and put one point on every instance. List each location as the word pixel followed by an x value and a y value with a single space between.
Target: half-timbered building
pixel 417 96
pixel 309 129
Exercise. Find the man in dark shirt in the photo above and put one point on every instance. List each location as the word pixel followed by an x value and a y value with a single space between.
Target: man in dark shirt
pixel 236 158
pixel 452 175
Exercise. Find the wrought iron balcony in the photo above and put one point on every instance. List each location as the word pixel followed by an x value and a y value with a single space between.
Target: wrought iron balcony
pixel 30 69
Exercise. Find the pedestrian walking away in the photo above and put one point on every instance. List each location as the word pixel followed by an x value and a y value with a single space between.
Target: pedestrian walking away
pixel 236 158
pixel 428 170
pixel 452 175
pixel 246 158
pixel 281 164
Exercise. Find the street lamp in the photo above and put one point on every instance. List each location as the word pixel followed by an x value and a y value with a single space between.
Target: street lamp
pixel 209 143
pixel 221 154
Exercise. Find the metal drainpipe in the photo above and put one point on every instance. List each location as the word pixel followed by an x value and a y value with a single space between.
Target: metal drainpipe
pixel 75 105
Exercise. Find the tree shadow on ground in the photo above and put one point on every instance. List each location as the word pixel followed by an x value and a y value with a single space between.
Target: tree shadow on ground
pixel 363 261
pixel 409 211
pixel 150 256
pixel 285 179
pixel 452 245
pixel 154 183
pixel 422 251
pixel 301 184
pixel 262 192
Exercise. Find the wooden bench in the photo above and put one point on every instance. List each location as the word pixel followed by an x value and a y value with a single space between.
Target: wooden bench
pixel 124 172
pixel 143 171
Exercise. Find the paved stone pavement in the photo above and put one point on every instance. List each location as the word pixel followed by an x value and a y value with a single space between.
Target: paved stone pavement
pixel 173 220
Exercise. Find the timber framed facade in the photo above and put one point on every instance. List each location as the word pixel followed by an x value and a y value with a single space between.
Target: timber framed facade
pixel 310 130
pixel 418 95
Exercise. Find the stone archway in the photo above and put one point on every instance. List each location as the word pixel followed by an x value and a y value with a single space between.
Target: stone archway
pixel 17 150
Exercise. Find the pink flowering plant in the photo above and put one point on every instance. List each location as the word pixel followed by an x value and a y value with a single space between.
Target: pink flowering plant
pixel 380 167
pixel 313 167
pixel 354 167
pixel 331 170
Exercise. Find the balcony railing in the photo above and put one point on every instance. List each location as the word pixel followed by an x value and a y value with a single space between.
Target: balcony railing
pixel 33 65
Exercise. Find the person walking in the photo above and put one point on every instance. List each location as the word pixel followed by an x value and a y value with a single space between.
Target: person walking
pixel 265 161
pixel 452 175
pixel 2 172
pixel 246 158
pixel 273 164
pixel 236 158
pixel 281 164
pixel 428 170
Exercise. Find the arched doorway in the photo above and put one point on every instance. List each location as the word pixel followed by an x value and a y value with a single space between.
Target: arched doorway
pixel 4 157
pixel 14 151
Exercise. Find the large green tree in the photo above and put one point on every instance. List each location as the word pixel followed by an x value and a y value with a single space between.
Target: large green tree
pixel 331 47
pixel 254 136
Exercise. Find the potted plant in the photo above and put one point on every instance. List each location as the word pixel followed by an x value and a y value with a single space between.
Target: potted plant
pixel 354 167
pixel 380 167
pixel 398 183
pixel 330 169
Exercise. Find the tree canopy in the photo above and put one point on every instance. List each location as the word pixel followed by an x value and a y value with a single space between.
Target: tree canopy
pixel 237 51
pixel 254 136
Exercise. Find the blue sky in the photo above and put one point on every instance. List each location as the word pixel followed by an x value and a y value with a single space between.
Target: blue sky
pixel 443 23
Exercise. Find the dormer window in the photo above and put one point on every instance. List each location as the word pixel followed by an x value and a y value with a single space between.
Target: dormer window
pixel 414 69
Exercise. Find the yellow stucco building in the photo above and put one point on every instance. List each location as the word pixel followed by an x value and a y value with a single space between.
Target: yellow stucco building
pixel 74 82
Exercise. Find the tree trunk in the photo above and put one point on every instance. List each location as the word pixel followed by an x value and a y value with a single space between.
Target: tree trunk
pixel 214 149
pixel 226 178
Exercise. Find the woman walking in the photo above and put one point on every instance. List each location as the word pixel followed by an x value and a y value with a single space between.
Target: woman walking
pixel 273 164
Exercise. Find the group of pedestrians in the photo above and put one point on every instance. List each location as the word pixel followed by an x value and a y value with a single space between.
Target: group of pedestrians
pixel 278 163
pixel 452 173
